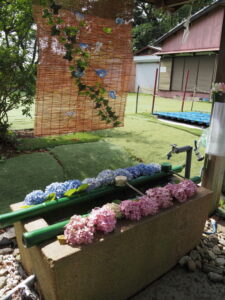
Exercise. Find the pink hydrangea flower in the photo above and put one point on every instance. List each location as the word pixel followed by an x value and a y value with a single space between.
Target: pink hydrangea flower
pixel 131 209
pixel 161 195
pixel 148 206
pixel 190 187
pixel 79 230
pixel 172 188
pixel 115 208
pixel 180 194
pixel 104 219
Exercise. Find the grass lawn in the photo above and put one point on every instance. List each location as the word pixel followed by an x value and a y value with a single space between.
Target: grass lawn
pixel 163 104
pixel 143 138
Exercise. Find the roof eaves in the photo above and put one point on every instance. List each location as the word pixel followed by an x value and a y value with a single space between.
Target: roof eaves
pixel 194 17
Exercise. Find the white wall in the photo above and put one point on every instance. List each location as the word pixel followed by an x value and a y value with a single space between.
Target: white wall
pixel 145 72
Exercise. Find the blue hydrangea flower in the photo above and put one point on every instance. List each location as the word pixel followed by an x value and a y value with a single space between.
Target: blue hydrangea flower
pixel 106 177
pixel 101 73
pixel 120 21
pixel 72 184
pixel 123 172
pixel 92 182
pixel 135 171
pixel 147 170
pixel 35 197
pixel 79 16
pixel 83 46
pixel 112 94
pixel 59 188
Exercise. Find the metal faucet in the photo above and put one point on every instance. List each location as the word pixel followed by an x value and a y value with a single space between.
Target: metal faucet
pixel 188 150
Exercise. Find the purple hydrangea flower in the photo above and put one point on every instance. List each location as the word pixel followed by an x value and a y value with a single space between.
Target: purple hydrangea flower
pixel 150 169
pixel 135 171
pixel 35 197
pixel 92 182
pixel 106 177
pixel 59 188
pixel 72 184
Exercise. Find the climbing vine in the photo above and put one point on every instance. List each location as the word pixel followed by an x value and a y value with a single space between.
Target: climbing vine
pixel 78 55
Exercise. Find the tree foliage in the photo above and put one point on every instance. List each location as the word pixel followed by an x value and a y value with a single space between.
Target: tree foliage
pixel 17 60
pixel 150 23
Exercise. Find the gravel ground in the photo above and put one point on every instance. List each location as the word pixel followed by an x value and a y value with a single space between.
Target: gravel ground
pixel 200 275
pixel 179 284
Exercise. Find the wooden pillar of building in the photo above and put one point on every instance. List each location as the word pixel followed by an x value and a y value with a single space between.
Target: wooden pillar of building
pixel 215 165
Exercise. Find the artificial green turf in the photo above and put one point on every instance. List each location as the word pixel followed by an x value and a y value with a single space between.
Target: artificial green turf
pixel 87 160
pixel 30 144
pixel 25 173
pixel 151 141
pixel 163 104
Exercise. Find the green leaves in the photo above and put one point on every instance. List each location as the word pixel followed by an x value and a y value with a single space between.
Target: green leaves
pixel 71 192
pixel 107 30
pixel 51 197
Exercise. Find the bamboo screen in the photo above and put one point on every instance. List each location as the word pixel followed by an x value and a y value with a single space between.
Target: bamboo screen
pixel 59 108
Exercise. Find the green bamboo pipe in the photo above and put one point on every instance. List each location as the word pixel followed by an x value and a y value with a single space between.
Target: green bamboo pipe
pixel 39 209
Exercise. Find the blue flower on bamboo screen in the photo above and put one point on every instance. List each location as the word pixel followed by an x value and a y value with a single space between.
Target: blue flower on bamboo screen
pixel 112 94
pixel 78 73
pixel 79 16
pixel 120 21
pixel 101 73
pixel 84 46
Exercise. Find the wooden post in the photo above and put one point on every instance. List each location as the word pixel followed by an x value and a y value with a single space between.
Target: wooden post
pixel 154 93
pixel 185 90
pixel 137 98
pixel 215 165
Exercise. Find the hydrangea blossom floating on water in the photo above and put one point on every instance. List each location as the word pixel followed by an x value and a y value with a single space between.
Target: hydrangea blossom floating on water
pixel 148 207
pixel 131 210
pixel 59 188
pixel 161 195
pixel 92 182
pixel 189 186
pixel 104 219
pixel 79 230
pixel 106 177
pixel 115 208
pixel 35 197
pixel 72 184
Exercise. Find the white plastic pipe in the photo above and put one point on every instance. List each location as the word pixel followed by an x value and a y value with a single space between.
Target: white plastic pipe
pixel 27 282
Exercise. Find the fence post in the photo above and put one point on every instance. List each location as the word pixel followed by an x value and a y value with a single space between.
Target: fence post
pixel 137 98
pixel 154 93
